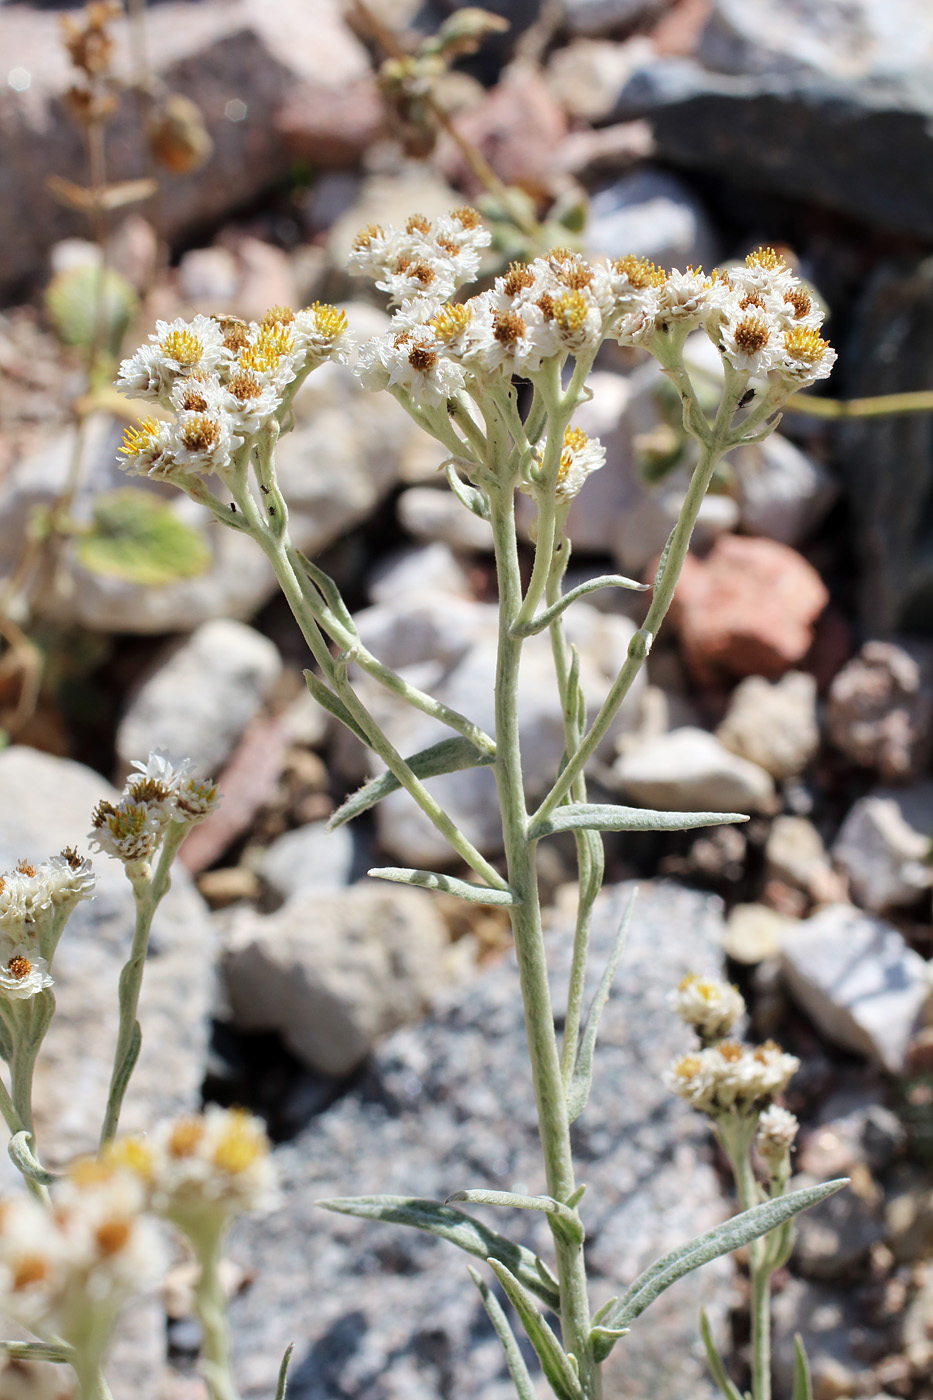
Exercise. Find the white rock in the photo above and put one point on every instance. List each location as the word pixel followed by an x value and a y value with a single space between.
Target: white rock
pixel 689 770
pixel 883 846
pixel 310 856
pixel 653 215
pixel 307 722
pixel 754 933
pixel 200 696
pixel 856 977
pixel 421 570
pixel 783 493
pixel 431 514
pixel 587 75
pixel 796 855
pixel 773 723
pixel 447 646
pixel 332 972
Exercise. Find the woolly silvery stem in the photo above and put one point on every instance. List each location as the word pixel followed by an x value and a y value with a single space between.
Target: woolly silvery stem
pixel 737 1133
pixel 148 891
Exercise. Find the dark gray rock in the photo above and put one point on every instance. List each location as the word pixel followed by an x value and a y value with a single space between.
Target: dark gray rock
pixel 382 1312
pixel 829 103
pixel 887 463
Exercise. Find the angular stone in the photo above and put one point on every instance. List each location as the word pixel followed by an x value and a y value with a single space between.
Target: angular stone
pixel 332 972
pixel 883 847
pixel 754 932
pixel 747 609
pixel 379 1312
pixel 311 856
pixel 252 53
pixel 880 708
pixel 773 723
pixel 516 125
pixel 778 98
pixel 858 980
pixel 795 854
pixel 420 569
pixel 200 695
pixel 689 770
pixel 653 214
pixel 783 493
pixel 429 514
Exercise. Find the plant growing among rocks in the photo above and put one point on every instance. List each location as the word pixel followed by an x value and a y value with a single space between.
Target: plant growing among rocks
pixel 495 379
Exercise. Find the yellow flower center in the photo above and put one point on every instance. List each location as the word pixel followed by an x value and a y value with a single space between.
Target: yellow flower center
pixel 136 440
pixel 183 347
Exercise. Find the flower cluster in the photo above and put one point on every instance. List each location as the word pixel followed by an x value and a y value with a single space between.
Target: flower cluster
pixel 760 315
pixel 712 1007
pixel 776 1135
pixel 69 1270
pixel 158 794
pixel 35 902
pixel 210 1165
pixel 730 1078
pixel 222 380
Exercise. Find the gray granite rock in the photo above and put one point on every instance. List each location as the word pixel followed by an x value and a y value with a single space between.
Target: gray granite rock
pixel 200 695
pixel 859 981
pixel 883 847
pixel 690 770
pixel 783 493
pixel 880 708
pixel 379 1312
pixel 807 101
pixel 773 723
pixel 332 971
pixel 420 569
pixel 431 514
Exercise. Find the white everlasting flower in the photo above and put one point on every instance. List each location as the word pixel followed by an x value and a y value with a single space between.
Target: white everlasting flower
pixel 14 901
pixel 130 831
pixel 777 1131
pixel 708 1004
pixel 195 799
pixel 113 1250
pixel 70 878
pixel 414 360
pixel 579 456
pixel 511 339
pixel 271 352
pixel 374 250
pixel 428 258
pixel 176 350
pixel 216 1163
pixel 33 1262
pixel 202 442
pixel 683 297
pixel 803 357
pixel 170 791
pixel 147 448
pixel 729 1077
pixel 23 973
pixel 321 333
pixel 750 340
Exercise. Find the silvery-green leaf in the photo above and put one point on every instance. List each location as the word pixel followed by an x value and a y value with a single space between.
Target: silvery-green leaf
pixel 582 1078
pixel 803 1388
pixel 24 1161
pixel 457 1227
pixel 447 884
pixel 513 1356
pixel 37 1351
pixel 282 1382
pixel 468 496
pixel 715 1361
pixel 555 1362
pixel 564 1219
pixel 448 756
pixel 603 1339
pixel 327 588
pixel 551 614
pixel 723 1239
pixel 332 704
pixel 600 816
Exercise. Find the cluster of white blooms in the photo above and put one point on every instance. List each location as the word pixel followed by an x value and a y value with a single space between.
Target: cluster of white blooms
pixel 35 902
pixel 69 1270
pixel 709 1005
pixel 580 455
pixel 760 316
pixel 210 1165
pixel 426 258
pixel 223 380
pixel 777 1132
pixel 159 793
pixel 732 1078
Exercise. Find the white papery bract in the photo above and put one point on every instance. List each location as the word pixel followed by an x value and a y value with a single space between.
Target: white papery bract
pixel 777 1132
pixel 177 350
pixel 23 973
pixel 712 1007
pixel 579 456
pixel 732 1078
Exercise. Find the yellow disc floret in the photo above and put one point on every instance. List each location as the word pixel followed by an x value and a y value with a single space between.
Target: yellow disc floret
pixel 137 439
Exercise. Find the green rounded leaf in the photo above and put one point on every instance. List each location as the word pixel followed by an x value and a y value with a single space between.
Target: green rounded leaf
pixel 76 297
pixel 134 536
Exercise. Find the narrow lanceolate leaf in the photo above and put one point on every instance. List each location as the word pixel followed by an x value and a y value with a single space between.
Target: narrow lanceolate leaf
pixel 578 1091
pixel 431 880
pixel 524 1385
pixel 603 1339
pixel 555 1363
pixel 282 1382
pixel 538 624
pixel 37 1351
pixel 326 587
pixel 564 1219
pixel 723 1239
pixel 803 1389
pixel 332 704
pixel 715 1361
pixel 457 1227
pixel 24 1161
pixel 598 816
pixel 449 756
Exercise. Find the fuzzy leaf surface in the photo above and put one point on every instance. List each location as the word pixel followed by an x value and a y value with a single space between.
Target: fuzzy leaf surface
pixel 447 884
pixel 555 1363
pixel 599 816
pixel 448 756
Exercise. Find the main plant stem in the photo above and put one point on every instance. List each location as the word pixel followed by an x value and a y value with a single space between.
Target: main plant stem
pixel 738 1143
pixel 553 1120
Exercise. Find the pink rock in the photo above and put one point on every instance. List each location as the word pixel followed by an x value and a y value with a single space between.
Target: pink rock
pixel 518 126
pixel 748 608
pixel 330 127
